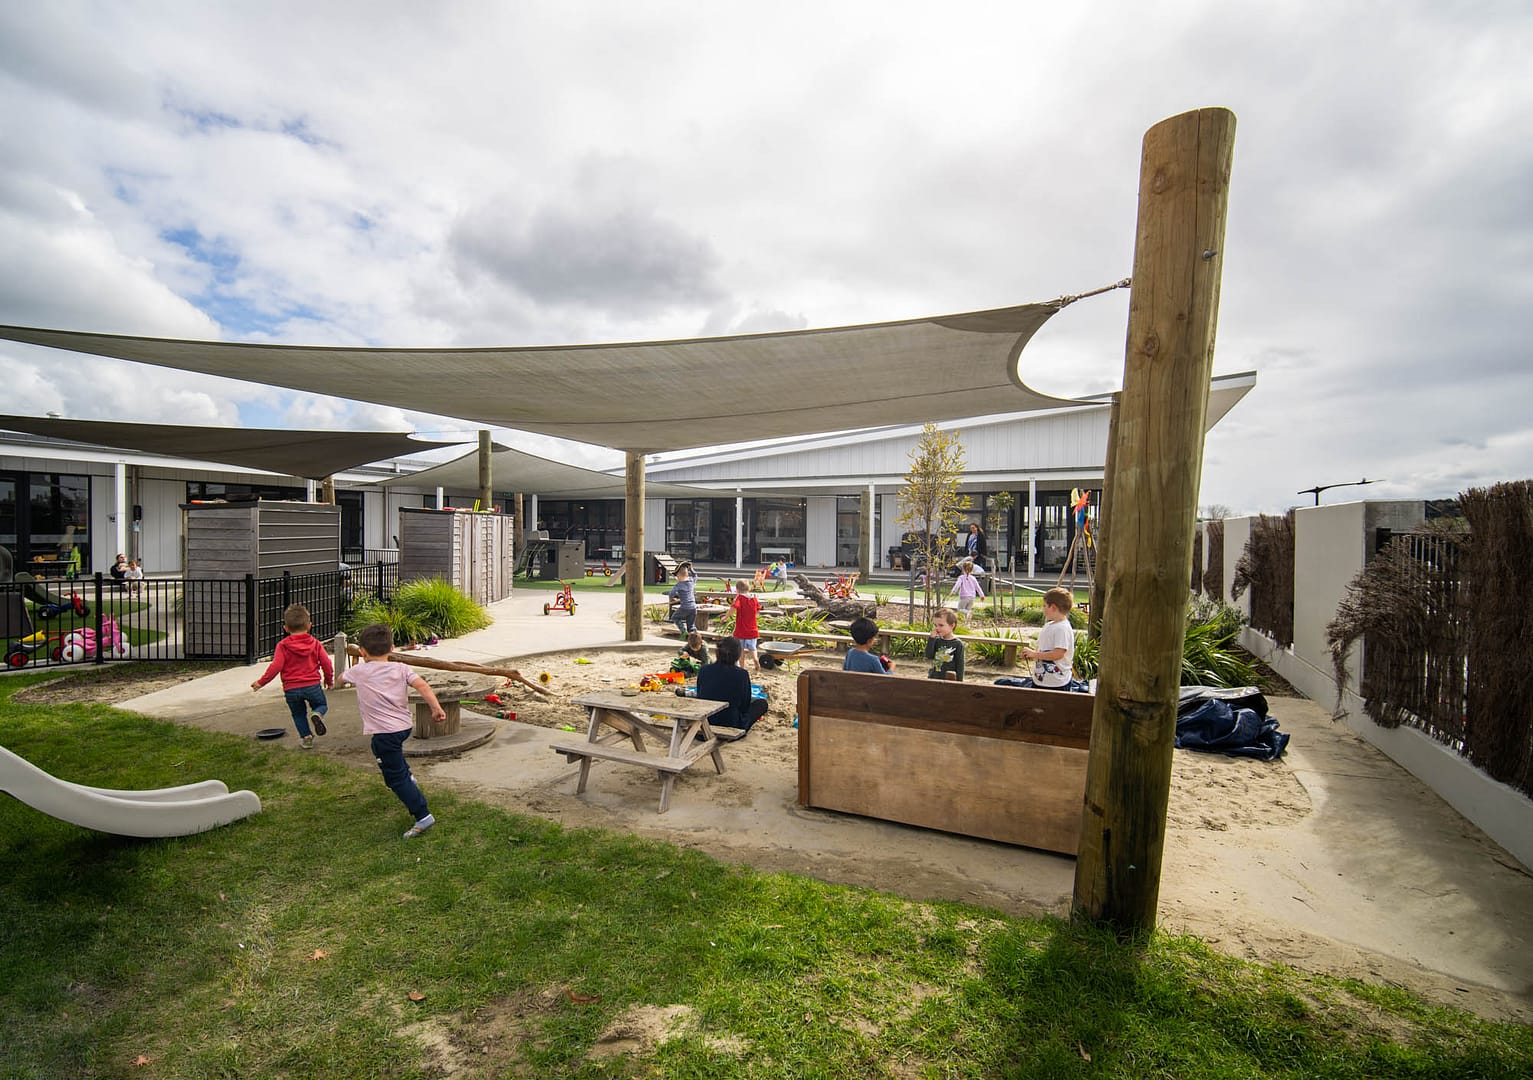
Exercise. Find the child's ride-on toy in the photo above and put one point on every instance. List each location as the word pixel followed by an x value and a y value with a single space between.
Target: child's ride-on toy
pixel 81 643
pixel 606 571
pixel 565 601
pixel 19 653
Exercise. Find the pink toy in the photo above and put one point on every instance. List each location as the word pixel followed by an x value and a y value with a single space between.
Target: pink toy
pixel 81 643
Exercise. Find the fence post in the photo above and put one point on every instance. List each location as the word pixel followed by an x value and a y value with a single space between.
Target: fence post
pixel 287 589
pixel 100 652
pixel 250 619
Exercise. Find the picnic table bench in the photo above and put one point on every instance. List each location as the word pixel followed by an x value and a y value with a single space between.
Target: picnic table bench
pixel 678 723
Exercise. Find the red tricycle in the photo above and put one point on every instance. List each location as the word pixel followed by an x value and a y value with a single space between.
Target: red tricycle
pixel 606 571
pixel 565 601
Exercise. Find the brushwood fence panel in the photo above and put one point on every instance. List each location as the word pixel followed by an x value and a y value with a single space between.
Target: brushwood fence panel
pixel 1416 673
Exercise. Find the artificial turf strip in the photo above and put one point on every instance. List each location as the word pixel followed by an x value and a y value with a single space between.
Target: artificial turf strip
pixel 526 941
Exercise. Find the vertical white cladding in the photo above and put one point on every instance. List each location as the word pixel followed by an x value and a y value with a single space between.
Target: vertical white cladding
pixel 160 538
pixel 654 524
pixel 820 530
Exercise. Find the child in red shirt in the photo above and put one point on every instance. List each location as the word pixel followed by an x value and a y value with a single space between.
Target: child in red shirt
pixel 301 659
pixel 746 608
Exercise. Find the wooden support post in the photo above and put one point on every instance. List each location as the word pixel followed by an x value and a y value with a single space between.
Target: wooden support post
pixel 486 489
pixel 1173 308
pixel 633 548
pixel 1099 537
pixel 327 493
pixel 865 553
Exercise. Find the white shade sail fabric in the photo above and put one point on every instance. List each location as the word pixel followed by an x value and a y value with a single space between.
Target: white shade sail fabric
pixel 311 454
pixel 650 396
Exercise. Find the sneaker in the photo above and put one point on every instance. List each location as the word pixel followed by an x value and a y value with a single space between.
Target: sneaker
pixel 420 826
pixel 308 742
pixel 318 723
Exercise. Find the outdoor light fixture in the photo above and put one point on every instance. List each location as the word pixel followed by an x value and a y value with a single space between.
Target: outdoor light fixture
pixel 1327 487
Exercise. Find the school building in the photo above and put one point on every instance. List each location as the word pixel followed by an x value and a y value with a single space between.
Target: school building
pixel 800 499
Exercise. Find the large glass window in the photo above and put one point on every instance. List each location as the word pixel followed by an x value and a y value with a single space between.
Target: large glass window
pixel 700 529
pixel 775 529
pixel 45 521
pixel 598 522
pixel 849 529
pixel 202 491
pixel 989 510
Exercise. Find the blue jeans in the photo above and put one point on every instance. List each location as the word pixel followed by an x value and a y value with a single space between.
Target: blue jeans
pixel 685 620
pixel 389 749
pixel 301 701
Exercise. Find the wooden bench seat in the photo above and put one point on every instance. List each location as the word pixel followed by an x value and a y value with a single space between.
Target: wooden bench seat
pixel 612 752
pixel 998 762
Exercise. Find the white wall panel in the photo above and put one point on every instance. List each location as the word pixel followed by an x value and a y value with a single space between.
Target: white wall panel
pixel 820 530
pixel 160 538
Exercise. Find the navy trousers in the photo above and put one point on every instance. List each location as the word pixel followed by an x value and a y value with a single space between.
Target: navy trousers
pixel 389 749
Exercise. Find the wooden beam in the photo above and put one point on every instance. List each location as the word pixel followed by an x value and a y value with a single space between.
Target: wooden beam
pixel 486 489
pixel 633 548
pixel 1173 312
pixel 1099 537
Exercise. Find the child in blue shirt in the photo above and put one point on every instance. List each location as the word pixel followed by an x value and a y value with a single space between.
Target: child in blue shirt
pixel 861 656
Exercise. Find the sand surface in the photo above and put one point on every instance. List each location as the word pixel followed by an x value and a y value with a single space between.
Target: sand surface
pixel 1332 859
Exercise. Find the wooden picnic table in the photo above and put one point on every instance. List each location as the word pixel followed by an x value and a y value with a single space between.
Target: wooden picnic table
pixel 706 612
pixel 678 723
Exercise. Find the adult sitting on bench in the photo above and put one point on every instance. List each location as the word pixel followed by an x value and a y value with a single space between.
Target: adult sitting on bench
pixel 725 680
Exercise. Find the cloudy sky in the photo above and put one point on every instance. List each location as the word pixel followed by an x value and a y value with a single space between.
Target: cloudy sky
pixel 397 173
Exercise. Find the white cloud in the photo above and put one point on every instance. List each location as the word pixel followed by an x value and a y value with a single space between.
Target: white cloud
pixel 521 174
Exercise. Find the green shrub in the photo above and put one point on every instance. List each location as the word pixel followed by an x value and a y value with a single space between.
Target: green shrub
pixel 419 610
pixel 1088 656
pixel 1210 656
pixel 799 622
pixel 993 654
pixel 439 608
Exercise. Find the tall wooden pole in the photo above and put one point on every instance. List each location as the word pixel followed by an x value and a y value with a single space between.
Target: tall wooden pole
pixel 1173 308
pixel 633 548
pixel 1099 537
pixel 486 494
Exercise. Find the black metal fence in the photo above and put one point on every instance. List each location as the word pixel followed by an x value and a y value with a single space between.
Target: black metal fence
pixel 99 619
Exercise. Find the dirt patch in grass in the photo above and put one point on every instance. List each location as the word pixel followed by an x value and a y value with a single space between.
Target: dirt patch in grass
pixel 108 684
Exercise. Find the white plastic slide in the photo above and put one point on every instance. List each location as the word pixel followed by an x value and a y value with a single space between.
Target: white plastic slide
pixel 173 811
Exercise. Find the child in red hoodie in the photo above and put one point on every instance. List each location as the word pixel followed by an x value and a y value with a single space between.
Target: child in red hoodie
pixel 303 663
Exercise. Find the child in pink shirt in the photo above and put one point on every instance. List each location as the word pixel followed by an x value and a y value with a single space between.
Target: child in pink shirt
pixel 383 696
pixel 967 587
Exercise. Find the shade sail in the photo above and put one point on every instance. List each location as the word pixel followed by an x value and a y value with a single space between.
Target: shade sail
pixel 651 396
pixel 513 470
pixel 311 454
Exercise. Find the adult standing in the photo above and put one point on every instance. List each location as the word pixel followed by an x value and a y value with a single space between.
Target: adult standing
pixel 974 545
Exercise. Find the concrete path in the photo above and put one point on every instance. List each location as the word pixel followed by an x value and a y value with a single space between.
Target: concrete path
pixel 520 629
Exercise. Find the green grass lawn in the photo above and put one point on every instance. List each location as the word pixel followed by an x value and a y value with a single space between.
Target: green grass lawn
pixel 311 941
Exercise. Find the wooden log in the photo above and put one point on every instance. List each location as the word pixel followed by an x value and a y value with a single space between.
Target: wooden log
pixel 1173 305
pixel 633 549
pixel 1098 597
pixel 486 489
pixel 834 608
pixel 455 665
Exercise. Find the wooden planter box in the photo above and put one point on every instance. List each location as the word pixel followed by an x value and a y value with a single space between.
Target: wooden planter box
pixel 998 762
